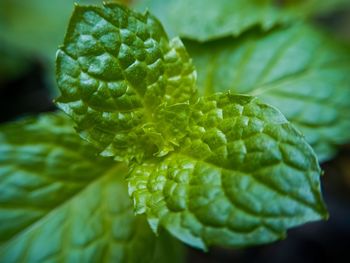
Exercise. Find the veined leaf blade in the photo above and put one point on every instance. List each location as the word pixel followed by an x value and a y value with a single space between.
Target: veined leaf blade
pixel 297 69
pixel 206 20
pixel 242 176
pixel 115 67
pixel 60 202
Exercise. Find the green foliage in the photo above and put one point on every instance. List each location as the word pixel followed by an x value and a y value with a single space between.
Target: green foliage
pixel 115 67
pixel 131 92
pixel 296 68
pixel 241 176
pixel 210 167
pixel 60 202
pixel 305 75
pixel 205 20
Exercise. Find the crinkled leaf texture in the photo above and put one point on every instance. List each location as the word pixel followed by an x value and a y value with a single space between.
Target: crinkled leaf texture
pixel 242 176
pixel 229 169
pixel 115 67
pixel 301 71
pixel 61 203
pixel 204 20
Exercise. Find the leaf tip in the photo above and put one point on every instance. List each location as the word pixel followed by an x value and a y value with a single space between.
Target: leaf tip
pixel 154 224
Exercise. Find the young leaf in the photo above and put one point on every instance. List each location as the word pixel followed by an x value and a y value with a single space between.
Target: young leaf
pixel 115 67
pixel 61 203
pixel 297 69
pixel 242 176
pixel 204 20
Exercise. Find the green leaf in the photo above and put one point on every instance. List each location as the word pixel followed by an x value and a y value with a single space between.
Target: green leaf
pixel 301 71
pixel 61 203
pixel 242 176
pixel 314 7
pixel 169 249
pixel 115 67
pixel 204 20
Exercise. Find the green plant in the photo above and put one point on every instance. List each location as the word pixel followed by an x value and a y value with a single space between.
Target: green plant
pixel 210 169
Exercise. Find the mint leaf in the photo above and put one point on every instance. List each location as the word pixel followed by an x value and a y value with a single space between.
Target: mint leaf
pixel 169 249
pixel 301 71
pixel 314 7
pixel 242 176
pixel 115 67
pixel 233 148
pixel 205 20
pixel 59 202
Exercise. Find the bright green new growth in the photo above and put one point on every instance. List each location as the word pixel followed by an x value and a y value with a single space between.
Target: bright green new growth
pixel 222 170
pixel 60 202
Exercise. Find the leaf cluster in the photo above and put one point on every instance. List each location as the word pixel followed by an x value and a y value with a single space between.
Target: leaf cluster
pixel 219 160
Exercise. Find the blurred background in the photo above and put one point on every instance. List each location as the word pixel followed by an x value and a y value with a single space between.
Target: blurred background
pixel 31 31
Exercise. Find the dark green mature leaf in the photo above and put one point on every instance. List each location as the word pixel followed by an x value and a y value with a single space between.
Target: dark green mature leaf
pixel 205 20
pixel 169 249
pixel 299 70
pixel 314 7
pixel 242 176
pixel 61 203
pixel 115 67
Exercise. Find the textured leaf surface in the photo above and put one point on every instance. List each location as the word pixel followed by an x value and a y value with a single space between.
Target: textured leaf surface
pixel 204 20
pixel 61 203
pixel 242 176
pixel 298 70
pixel 115 67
